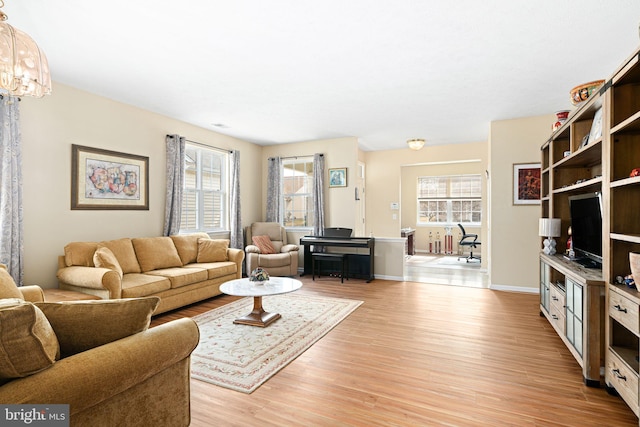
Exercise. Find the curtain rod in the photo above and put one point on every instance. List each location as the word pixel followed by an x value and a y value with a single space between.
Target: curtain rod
pixel 293 157
pixel 205 145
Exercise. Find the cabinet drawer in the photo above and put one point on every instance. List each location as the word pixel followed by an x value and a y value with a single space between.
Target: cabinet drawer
pixel 624 311
pixel 558 318
pixel 623 379
pixel 557 298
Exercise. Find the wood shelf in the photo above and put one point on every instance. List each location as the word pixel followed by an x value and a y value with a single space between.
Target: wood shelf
pixel 586 156
pixel 625 182
pixel 594 182
pixel 632 124
pixel 631 238
pixel 628 356
pixel 602 165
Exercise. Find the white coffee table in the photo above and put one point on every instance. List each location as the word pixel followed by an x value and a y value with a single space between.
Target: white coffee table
pixel 246 288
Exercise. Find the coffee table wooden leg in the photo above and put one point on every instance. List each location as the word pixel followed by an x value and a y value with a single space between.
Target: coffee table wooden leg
pixel 257 317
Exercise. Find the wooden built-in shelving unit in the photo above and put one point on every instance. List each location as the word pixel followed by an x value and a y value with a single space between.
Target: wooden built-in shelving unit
pixel 603 165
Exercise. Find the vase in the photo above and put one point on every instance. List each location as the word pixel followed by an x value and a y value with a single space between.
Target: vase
pixel 634 262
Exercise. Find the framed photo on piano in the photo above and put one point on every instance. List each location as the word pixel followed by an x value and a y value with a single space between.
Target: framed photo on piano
pixel 338 177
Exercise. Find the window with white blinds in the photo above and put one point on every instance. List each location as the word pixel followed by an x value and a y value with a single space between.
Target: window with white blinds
pixel 449 200
pixel 205 193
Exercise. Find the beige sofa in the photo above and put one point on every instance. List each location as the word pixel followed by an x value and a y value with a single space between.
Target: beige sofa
pixel 99 357
pixel 179 269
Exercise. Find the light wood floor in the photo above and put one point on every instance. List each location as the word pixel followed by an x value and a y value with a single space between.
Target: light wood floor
pixel 417 354
pixel 445 270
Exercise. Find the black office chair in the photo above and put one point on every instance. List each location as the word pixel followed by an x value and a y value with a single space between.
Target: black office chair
pixel 342 258
pixel 470 241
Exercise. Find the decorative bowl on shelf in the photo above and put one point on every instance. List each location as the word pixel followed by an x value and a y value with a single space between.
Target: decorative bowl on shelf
pixel 581 93
pixel 259 276
pixel 561 117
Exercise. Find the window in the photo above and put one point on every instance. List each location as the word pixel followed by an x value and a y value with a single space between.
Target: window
pixel 449 199
pixel 297 197
pixel 205 194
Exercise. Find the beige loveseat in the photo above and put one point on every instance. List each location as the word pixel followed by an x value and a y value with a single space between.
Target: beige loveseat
pixel 99 357
pixel 179 269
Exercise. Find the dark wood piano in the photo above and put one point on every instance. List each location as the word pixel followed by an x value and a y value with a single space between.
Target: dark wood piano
pixel 360 264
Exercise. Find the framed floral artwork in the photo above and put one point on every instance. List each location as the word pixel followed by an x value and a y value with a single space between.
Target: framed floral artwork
pixel 103 179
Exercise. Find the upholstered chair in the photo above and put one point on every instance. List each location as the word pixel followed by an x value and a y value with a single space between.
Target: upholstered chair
pixel 266 247
pixel 99 357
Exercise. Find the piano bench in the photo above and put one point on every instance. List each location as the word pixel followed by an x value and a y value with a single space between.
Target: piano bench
pixel 317 257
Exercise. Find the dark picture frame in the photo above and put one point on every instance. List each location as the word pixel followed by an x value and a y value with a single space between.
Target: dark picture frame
pixel 526 183
pixel 108 180
pixel 338 177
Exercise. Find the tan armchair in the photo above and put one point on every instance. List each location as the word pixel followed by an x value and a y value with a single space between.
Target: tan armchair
pixel 99 357
pixel 279 259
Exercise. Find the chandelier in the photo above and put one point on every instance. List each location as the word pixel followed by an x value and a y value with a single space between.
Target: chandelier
pixel 24 70
pixel 416 144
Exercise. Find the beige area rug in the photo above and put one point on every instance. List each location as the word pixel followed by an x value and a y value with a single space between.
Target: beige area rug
pixel 242 357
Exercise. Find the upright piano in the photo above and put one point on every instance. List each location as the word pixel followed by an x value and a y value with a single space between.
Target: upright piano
pixel 360 262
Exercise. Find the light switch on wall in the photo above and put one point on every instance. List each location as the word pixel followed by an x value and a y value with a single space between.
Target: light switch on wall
pixel 395 216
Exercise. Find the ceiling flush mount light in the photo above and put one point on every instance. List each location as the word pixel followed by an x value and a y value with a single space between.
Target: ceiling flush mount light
pixel 24 70
pixel 416 144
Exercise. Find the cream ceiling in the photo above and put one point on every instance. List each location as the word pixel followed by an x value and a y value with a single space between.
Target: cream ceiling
pixel 284 71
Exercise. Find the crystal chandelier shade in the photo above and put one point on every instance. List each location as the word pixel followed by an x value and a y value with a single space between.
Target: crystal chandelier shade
pixel 24 70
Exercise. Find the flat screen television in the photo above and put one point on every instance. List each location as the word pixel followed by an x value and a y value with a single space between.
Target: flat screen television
pixel 586 228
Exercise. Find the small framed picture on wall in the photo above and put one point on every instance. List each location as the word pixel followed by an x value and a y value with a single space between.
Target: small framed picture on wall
pixel 338 177
pixel 526 184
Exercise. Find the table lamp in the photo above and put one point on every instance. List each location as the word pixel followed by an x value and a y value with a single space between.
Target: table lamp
pixel 549 228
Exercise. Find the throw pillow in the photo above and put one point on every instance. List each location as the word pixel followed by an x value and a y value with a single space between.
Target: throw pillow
pixel 187 246
pixel 125 254
pixel 156 252
pixel 8 288
pixel 264 244
pixel 79 253
pixel 27 341
pixel 213 250
pixel 83 325
pixel 104 258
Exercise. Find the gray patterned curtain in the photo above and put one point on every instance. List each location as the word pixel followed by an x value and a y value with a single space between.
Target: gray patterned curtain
pixel 235 223
pixel 11 226
pixel 274 178
pixel 175 180
pixel 318 194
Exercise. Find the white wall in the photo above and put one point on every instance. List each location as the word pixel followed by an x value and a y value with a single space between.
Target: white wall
pixel 50 126
pixel 70 116
pixel 338 153
pixel 515 245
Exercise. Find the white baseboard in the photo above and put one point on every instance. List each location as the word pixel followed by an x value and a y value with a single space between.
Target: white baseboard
pixel 385 277
pixel 507 288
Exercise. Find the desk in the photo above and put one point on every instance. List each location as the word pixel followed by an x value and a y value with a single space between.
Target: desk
pixel 411 244
pixel 360 264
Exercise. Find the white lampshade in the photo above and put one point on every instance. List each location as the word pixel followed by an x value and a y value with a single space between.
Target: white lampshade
pixel 549 227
